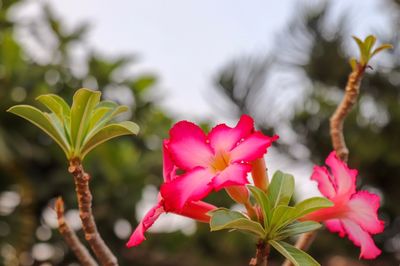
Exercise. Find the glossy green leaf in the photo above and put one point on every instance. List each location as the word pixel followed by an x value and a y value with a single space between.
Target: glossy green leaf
pixel 296 256
pixel 226 219
pixel 281 189
pixel 56 104
pixel 103 113
pixel 361 47
pixel 108 132
pixel 38 118
pixel 264 203
pixel 281 216
pixel 84 101
pixel 297 228
pixel 310 205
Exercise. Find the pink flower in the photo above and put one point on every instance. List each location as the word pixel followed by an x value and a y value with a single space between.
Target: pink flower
pixel 196 210
pixel 211 162
pixel 354 213
pixel 220 160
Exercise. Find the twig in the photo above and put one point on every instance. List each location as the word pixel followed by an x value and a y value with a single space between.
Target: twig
pixel 336 130
pixel 70 237
pixel 262 254
pixel 100 249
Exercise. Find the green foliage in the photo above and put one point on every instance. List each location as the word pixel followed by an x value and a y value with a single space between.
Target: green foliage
pixel 295 255
pixel 279 220
pixel 81 128
pixel 366 52
pixel 226 219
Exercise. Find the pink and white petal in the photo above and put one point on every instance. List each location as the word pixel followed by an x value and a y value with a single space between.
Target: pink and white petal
pixel 234 174
pixel 188 146
pixel 362 239
pixel 191 186
pixel 148 220
pixel 198 210
pixel 344 177
pixel 252 148
pixel 169 168
pixel 335 226
pixel 224 138
pixel 363 209
pixel 324 180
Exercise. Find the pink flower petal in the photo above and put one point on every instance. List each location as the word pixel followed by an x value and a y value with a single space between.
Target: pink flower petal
pixel 234 174
pixel 324 180
pixel 192 186
pixel 188 147
pixel 151 216
pixel 363 210
pixel 168 165
pixel 335 226
pixel 253 147
pixel 361 239
pixel 224 138
pixel 198 210
pixel 345 178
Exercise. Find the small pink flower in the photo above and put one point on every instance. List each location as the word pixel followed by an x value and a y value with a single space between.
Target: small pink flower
pixel 211 162
pixel 196 210
pixel 354 213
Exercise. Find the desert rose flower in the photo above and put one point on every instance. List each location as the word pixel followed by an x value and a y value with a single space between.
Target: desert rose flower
pixel 196 210
pixel 354 212
pixel 210 162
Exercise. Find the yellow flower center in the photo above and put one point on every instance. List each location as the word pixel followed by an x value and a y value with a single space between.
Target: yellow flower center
pixel 220 162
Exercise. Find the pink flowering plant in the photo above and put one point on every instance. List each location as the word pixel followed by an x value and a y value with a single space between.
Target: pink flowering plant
pixel 229 159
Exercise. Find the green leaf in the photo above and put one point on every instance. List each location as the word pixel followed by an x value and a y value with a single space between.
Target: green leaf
pixel 361 47
pixel 297 228
pixel 312 204
pixel 281 216
pixel 39 119
pixel 226 219
pixel 103 113
pixel 55 104
pixel 108 132
pixel 353 63
pixel 264 203
pixel 296 256
pixel 369 42
pixel 281 189
pixel 381 48
pixel 84 101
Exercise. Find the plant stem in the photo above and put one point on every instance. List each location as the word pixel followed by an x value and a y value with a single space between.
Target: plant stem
pixel 337 119
pixel 100 249
pixel 70 237
pixel 336 130
pixel 262 253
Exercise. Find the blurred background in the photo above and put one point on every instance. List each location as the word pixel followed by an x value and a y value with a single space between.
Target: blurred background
pixel 283 62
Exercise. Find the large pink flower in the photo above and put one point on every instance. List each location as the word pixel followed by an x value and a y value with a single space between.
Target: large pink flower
pixel 196 210
pixel 354 213
pixel 210 162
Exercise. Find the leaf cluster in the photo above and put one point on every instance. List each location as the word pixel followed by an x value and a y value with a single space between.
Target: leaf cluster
pixel 278 220
pixel 80 128
pixel 366 51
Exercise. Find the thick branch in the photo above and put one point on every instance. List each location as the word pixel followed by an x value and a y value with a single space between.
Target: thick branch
pixel 262 254
pixel 100 249
pixel 337 119
pixel 70 237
